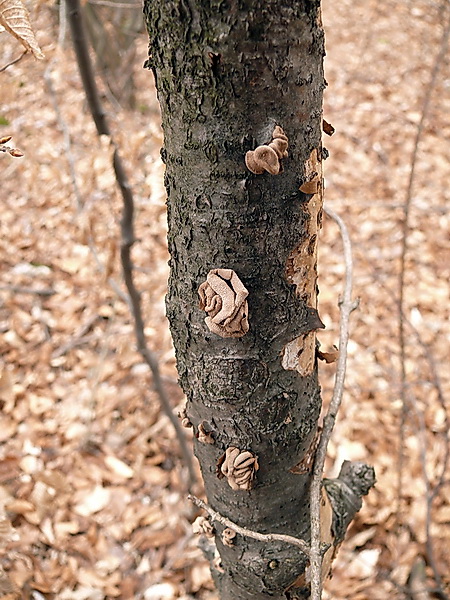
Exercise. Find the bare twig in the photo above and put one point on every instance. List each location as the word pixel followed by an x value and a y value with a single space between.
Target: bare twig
pixel 262 537
pixel 13 62
pixel 346 306
pixel 401 305
pixel 75 341
pixel 127 228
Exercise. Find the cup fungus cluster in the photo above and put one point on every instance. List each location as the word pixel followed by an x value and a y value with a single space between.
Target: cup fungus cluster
pixel 224 298
pixel 267 157
pixel 239 467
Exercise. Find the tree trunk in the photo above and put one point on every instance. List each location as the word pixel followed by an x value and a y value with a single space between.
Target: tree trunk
pixel 227 74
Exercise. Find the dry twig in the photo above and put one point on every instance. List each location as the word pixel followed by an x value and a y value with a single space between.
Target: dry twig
pixel 13 62
pixel 347 306
pixel 262 537
pixel 127 226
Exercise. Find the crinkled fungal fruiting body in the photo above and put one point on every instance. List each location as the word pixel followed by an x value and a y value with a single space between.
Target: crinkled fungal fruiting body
pixel 204 436
pixel 202 526
pixel 182 414
pixel 239 467
pixel 224 298
pixel 228 536
pixel 267 157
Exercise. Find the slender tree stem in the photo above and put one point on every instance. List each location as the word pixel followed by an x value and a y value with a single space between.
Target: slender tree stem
pixel 13 62
pixel 127 227
pixel 347 306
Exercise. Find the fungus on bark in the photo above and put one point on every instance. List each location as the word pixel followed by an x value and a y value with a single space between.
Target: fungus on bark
pixel 228 537
pixel 182 414
pixel 267 156
pixel 223 297
pixel 203 436
pixel 239 467
pixel 202 526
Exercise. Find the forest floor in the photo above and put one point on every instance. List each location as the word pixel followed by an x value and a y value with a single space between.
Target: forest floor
pixel 92 494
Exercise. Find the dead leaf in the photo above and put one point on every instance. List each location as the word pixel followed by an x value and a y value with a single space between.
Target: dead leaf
pixel 327 127
pixel 329 357
pixel 15 18
pixel 118 467
pixel 93 501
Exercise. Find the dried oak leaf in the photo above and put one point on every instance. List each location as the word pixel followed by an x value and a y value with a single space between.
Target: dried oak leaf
pixel 15 19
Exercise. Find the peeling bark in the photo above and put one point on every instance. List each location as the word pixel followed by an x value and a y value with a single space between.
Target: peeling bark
pixel 228 73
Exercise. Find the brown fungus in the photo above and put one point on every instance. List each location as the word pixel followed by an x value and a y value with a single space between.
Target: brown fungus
pixel 267 157
pixel 182 414
pixel 202 526
pixel 228 536
pixel 239 468
pixel 203 436
pixel 223 297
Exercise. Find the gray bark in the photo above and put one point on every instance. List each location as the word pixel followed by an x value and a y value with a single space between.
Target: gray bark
pixel 226 73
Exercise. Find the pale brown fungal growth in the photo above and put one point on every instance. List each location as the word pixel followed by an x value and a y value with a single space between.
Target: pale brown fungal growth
pixel 228 536
pixel 202 526
pixel 203 436
pixel 239 468
pixel 224 297
pixel 182 414
pixel 217 563
pixel 267 157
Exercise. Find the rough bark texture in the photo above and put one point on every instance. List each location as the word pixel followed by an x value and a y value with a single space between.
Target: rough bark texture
pixel 228 72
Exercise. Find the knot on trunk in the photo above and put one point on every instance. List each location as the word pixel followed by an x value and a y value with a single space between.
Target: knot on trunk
pixel 239 468
pixel 267 157
pixel 223 297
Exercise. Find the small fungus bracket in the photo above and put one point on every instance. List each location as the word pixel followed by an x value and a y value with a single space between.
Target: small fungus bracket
pixel 182 415
pixel 223 297
pixel 228 537
pixel 202 526
pixel 204 436
pixel 267 157
pixel 239 467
